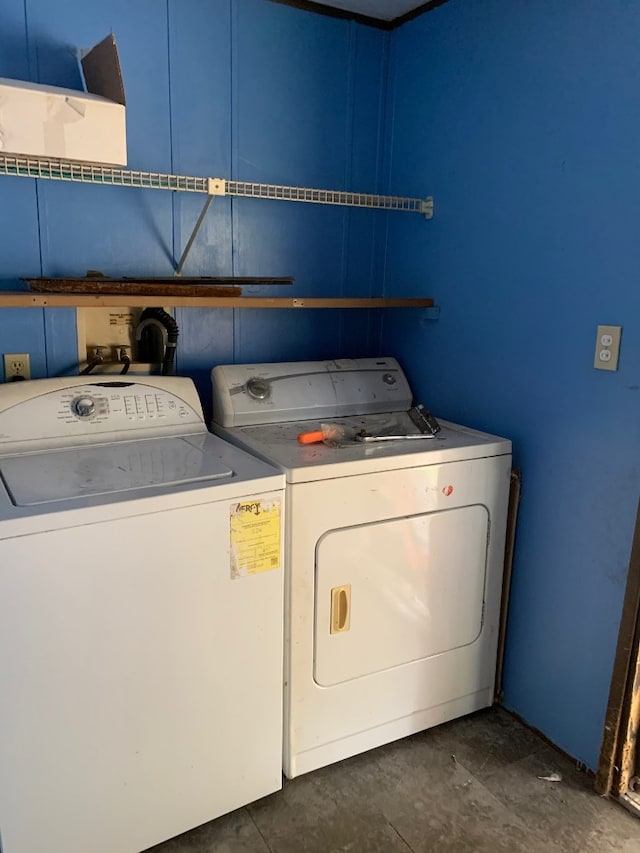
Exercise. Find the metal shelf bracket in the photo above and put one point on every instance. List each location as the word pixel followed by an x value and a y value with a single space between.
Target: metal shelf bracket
pixel 194 233
pixel 428 207
pixel 430 314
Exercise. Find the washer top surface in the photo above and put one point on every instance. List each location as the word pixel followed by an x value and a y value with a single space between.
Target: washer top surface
pixel 73 444
pixel 39 478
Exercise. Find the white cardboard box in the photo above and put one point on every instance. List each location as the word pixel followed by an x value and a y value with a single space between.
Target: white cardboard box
pixel 47 121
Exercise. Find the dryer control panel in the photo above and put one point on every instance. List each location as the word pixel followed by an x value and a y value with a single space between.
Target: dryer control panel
pixel 245 394
pixel 72 411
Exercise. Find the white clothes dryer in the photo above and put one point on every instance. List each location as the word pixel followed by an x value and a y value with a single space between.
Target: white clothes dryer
pixel 141 638
pixel 394 553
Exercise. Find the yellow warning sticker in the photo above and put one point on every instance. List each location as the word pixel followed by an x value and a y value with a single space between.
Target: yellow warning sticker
pixel 255 537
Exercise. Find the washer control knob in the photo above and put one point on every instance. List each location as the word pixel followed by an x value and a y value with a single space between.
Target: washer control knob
pixel 83 407
pixel 389 379
pixel 257 388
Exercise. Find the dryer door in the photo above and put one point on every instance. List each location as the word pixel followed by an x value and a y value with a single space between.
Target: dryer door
pixel 397 591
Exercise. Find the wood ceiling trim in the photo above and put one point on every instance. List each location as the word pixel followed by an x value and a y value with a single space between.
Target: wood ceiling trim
pixel 331 12
pixel 415 13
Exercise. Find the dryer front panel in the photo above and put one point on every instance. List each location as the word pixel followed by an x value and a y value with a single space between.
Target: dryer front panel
pixel 397 591
pixel 392 604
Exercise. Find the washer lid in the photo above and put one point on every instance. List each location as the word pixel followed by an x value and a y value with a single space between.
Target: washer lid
pixel 80 472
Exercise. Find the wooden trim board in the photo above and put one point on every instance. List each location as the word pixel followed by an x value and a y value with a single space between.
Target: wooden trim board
pixel 23 299
pixel 614 766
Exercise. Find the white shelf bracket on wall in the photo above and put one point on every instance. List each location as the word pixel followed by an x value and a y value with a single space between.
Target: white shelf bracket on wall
pixel 90 173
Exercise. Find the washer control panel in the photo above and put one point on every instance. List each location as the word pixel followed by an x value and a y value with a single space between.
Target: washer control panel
pixel 135 407
pixel 88 411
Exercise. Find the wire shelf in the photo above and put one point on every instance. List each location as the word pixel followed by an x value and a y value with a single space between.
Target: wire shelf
pixel 248 189
pixel 91 173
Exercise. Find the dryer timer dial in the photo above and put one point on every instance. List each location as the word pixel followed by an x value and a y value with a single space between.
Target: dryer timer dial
pixel 258 388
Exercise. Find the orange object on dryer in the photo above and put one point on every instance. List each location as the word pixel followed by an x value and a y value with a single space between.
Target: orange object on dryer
pixel 313 437
pixel 328 433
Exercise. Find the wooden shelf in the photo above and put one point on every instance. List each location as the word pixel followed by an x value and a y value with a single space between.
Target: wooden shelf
pixel 9 299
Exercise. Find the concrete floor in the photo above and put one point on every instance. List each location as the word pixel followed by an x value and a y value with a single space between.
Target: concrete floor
pixel 465 787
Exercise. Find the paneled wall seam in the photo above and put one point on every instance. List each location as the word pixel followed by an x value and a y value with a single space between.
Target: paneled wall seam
pixel 348 171
pixel 233 158
pixel 174 253
pixel 26 36
pixel 43 311
pixel 385 107
pixel 171 137
pixel 35 182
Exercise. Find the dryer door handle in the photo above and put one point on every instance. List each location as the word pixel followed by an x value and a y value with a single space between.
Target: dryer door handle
pixel 340 609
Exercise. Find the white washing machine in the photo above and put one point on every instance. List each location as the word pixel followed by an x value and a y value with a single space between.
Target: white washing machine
pixel 141 590
pixel 394 553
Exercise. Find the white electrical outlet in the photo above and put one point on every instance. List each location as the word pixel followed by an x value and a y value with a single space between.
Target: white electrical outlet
pixel 16 366
pixel 607 347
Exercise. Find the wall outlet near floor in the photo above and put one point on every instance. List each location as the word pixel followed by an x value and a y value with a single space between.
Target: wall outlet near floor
pixel 16 366
pixel 607 347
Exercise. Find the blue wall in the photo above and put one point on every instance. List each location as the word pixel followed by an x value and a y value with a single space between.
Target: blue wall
pixel 523 120
pixel 244 89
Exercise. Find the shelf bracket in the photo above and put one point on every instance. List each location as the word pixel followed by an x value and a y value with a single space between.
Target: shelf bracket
pixel 194 234
pixel 430 314
pixel 427 207
pixel 215 186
